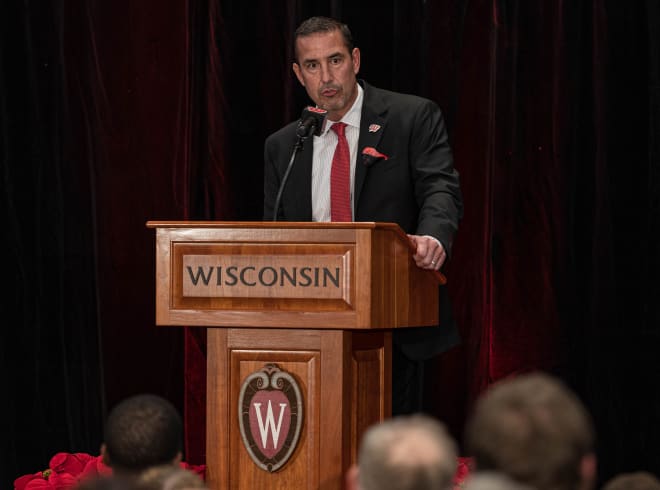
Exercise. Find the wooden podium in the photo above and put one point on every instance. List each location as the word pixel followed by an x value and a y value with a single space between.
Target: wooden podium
pixel 317 301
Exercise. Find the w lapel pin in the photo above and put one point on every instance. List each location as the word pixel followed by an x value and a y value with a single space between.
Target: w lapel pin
pixel 374 127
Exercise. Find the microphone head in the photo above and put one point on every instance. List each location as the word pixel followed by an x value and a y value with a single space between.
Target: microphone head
pixel 311 122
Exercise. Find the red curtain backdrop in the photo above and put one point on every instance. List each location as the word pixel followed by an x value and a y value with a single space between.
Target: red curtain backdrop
pixel 115 113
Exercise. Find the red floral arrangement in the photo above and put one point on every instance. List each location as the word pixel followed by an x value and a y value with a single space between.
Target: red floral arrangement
pixel 462 472
pixel 65 470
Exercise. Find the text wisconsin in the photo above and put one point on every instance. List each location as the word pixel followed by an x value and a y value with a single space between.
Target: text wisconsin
pixel 267 276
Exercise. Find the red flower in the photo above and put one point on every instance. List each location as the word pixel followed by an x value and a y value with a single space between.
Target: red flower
pixel 46 480
pixel 199 469
pixel 94 468
pixel 61 481
pixel 21 482
pixel 37 484
pixel 69 463
pixel 462 471
pixel 55 481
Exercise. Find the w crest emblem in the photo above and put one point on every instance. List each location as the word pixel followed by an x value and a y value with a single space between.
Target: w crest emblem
pixel 270 414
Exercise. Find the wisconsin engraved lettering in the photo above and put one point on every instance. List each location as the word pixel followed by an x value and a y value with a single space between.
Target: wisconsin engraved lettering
pixel 268 276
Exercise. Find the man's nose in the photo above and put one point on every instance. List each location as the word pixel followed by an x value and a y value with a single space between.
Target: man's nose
pixel 326 74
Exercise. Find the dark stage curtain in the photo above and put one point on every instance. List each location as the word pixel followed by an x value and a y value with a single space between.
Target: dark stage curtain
pixel 97 137
pixel 114 113
pixel 50 363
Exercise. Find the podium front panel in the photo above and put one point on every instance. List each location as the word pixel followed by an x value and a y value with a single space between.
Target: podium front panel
pixel 345 382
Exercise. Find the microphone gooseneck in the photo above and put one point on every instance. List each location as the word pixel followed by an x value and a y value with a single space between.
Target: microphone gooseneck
pixel 311 123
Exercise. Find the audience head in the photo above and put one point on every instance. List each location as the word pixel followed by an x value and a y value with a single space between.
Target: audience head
pixel 405 453
pixel 113 482
pixel 142 431
pixel 639 480
pixel 535 430
pixel 488 480
pixel 169 477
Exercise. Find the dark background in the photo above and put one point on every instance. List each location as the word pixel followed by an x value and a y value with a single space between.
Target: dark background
pixel 116 112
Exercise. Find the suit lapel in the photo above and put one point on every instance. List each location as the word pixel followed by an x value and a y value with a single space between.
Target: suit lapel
pixel 372 127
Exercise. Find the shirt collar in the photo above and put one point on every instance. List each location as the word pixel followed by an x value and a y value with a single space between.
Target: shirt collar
pixel 353 116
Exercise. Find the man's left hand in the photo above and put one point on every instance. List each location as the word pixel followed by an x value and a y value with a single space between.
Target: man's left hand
pixel 429 252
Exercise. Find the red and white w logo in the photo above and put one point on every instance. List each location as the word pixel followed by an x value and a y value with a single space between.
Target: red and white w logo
pixel 266 427
pixel 270 416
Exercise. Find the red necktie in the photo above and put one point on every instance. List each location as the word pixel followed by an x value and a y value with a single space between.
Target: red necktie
pixel 340 178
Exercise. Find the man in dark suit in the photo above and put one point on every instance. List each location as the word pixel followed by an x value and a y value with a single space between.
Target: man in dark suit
pixel 398 168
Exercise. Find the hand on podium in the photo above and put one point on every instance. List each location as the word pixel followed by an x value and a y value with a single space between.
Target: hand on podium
pixel 428 252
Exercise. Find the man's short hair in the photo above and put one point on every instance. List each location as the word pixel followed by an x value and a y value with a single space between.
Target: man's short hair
pixel 638 480
pixel 143 431
pixel 317 25
pixel 490 480
pixel 169 477
pixel 407 453
pixel 111 482
pixel 532 428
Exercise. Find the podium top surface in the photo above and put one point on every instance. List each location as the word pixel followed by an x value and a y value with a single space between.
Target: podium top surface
pixel 274 224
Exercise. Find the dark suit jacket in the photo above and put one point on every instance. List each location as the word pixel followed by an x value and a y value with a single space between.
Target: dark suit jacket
pixel 416 186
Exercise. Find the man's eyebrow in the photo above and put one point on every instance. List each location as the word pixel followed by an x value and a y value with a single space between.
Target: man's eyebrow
pixel 333 55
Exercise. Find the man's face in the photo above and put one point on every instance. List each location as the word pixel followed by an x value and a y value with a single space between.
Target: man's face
pixel 327 71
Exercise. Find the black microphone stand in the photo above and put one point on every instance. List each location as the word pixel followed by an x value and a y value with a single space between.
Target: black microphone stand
pixel 296 148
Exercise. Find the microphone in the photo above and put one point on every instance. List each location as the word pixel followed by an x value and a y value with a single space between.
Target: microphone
pixel 311 122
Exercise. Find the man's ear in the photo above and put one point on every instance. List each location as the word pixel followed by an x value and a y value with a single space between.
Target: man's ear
pixel 104 455
pixel 296 70
pixel 352 478
pixel 355 58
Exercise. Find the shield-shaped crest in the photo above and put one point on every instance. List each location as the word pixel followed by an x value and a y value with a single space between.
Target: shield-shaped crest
pixel 270 415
